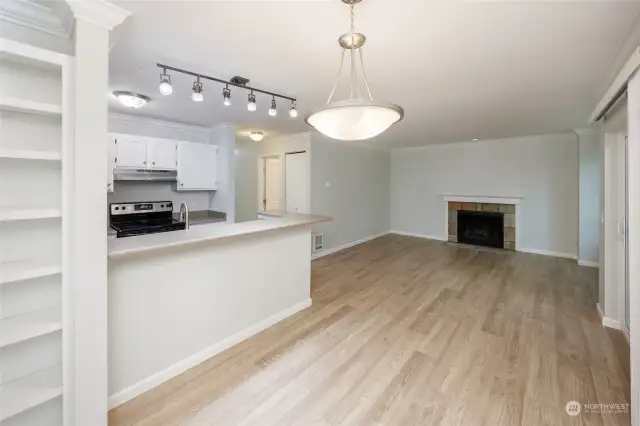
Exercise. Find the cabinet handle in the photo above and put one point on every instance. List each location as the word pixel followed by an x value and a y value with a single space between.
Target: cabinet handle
pixel 154 163
pixel 144 162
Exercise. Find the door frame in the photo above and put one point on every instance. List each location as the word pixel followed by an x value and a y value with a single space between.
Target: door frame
pixel 262 170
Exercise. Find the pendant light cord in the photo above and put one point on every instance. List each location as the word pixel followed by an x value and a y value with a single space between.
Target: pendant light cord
pixel 335 84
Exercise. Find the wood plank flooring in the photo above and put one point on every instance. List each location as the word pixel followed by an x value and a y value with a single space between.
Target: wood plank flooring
pixel 406 331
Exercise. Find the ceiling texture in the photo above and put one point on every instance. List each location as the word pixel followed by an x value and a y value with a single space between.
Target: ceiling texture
pixel 462 70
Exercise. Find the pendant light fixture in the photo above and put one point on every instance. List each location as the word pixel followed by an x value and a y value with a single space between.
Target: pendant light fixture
pixel 273 111
pixel 197 95
pixel 357 117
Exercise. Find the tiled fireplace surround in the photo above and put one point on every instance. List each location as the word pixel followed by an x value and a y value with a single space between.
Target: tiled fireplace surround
pixel 509 211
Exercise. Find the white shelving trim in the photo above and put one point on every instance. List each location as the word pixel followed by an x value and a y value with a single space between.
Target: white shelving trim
pixel 28 269
pixel 9 103
pixel 30 391
pixel 28 54
pixel 29 154
pixel 20 328
pixel 10 214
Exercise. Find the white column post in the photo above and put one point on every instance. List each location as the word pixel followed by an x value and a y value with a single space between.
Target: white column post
pixel 86 379
pixel 633 161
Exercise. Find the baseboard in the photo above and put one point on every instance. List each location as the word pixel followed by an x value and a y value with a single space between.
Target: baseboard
pixel 417 235
pixel 182 366
pixel 608 322
pixel 346 246
pixel 548 253
pixel 588 263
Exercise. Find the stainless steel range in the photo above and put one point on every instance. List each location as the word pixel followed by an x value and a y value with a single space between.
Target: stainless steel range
pixel 129 219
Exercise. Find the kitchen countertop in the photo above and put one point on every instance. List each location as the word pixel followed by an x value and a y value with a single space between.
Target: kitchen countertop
pixel 209 232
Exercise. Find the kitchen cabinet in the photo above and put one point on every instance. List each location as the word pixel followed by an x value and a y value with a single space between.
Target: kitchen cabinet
pixel 161 154
pixel 197 166
pixel 131 151
pixel 145 153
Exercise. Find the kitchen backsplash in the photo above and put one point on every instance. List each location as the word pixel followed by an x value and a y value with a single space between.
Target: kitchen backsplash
pixel 129 191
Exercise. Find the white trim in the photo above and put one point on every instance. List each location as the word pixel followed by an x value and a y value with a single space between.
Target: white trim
pixel 346 246
pixel 182 366
pixel 589 263
pixel 417 235
pixel 99 12
pixel 33 15
pixel 608 322
pixel 495 199
pixel 548 253
pixel 621 79
pixel 115 117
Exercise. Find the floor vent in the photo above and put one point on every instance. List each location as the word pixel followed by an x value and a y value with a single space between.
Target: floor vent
pixel 317 242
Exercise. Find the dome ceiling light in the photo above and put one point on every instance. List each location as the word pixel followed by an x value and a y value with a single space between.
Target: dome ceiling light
pixel 130 99
pixel 357 117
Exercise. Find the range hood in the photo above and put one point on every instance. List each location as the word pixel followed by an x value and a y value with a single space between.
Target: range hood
pixel 144 174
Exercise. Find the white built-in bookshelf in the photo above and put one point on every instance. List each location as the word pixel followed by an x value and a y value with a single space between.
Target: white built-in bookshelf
pixel 33 142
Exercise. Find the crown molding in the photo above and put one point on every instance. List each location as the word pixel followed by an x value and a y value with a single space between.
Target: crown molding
pixel 116 117
pixel 34 15
pixel 99 12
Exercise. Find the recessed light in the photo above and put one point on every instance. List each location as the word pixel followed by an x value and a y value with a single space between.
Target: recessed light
pixel 256 136
pixel 130 99
pixel 474 140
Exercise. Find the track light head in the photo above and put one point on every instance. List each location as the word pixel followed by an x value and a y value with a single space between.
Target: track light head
pixel 273 111
pixel 165 83
pixel 197 95
pixel 226 94
pixel 251 106
pixel 293 112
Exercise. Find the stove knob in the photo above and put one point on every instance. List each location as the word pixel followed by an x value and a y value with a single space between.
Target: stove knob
pixel 124 208
pixel 162 205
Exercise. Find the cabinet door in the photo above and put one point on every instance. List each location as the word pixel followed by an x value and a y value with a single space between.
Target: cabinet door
pixel 131 151
pixel 197 166
pixel 161 154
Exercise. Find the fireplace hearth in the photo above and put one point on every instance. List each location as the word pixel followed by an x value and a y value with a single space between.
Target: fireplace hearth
pixel 481 228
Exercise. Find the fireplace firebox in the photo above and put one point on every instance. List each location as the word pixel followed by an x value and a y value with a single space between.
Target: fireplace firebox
pixel 481 228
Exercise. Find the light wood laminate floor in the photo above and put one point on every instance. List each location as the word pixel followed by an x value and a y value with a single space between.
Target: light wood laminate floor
pixel 406 331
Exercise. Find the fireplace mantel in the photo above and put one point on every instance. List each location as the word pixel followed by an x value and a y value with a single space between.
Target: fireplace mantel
pixel 482 199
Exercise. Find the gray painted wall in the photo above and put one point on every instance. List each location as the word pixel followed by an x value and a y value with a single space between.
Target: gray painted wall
pixel 358 196
pixel 590 182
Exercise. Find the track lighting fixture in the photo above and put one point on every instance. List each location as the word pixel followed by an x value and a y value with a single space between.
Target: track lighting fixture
pixel 273 111
pixel 226 94
pixel 165 83
pixel 238 82
pixel 197 91
pixel 251 106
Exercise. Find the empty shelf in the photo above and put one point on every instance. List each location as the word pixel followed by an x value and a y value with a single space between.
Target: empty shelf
pixel 27 269
pixel 8 103
pixel 8 214
pixel 26 154
pixel 30 391
pixel 28 54
pixel 28 326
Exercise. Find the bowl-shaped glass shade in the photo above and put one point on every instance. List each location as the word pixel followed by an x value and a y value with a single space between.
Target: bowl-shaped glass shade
pixel 354 120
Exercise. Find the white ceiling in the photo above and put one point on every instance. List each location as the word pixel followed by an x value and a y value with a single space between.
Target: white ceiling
pixel 461 69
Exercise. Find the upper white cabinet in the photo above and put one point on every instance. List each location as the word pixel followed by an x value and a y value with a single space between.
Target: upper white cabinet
pixel 145 153
pixel 197 166
pixel 161 154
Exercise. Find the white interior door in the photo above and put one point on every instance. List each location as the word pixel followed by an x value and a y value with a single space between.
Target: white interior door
pixel 272 200
pixel 627 311
pixel 297 184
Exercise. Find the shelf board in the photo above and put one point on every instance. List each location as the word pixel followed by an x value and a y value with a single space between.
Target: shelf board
pixel 28 154
pixel 27 270
pixel 30 391
pixel 24 53
pixel 28 326
pixel 10 214
pixel 8 103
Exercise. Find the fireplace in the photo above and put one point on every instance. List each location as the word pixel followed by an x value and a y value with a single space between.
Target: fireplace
pixel 481 228
pixel 483 223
